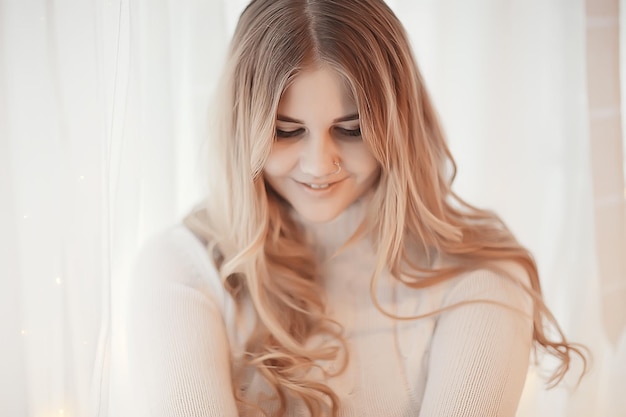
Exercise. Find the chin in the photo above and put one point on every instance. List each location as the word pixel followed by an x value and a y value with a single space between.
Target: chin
pixel 318 215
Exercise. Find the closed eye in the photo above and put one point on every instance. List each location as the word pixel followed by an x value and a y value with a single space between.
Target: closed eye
pixel 284 134
pixel 350 132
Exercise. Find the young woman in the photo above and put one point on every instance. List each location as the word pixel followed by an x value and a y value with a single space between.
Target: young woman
pixel 332 270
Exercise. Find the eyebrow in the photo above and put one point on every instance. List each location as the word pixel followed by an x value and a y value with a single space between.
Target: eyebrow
pixel 354 116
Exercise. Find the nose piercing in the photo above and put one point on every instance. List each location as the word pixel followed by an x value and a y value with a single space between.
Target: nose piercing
pixel 338 164
pixel 338 169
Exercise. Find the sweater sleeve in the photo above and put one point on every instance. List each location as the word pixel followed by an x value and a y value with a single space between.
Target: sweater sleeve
pixel 480 351
pixel 178 349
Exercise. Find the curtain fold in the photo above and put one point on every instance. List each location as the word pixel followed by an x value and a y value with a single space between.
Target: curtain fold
pixel 607 160
pixel 609 196
pixel 49 135
pixel 103 109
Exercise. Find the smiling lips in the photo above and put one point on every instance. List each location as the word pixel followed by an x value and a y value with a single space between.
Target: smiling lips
pixel 318 187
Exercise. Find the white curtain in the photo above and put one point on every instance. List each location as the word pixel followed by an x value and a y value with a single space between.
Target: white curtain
pixel 102 119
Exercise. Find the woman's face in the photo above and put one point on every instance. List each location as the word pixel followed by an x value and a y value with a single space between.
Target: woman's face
pixel 317 125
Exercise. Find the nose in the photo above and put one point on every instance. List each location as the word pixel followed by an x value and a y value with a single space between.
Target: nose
pixel 319 156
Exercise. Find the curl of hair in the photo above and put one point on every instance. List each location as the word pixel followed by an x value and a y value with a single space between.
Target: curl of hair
pixel 262 256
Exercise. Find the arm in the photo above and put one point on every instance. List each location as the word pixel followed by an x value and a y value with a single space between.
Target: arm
pixel 178 350
pixel 480 352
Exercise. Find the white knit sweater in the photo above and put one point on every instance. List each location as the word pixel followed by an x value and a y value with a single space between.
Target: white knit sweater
pixel 469 361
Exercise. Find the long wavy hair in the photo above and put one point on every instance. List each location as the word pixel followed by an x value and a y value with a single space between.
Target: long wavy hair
pixel 260 252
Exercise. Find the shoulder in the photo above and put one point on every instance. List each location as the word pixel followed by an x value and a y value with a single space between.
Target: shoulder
pixel 506 283
pixel 175 256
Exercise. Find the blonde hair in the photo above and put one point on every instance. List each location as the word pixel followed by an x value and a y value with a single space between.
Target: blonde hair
pixel 260 252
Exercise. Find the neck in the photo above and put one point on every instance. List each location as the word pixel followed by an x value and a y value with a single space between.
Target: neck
pixel 329 238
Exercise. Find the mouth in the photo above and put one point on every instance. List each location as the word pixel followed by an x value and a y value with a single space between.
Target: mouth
pixel 319 187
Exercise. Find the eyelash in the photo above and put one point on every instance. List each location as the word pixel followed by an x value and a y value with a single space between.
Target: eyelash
pixel 351 132
pixel 284 134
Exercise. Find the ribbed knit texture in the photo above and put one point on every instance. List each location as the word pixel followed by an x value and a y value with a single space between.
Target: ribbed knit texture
pixel 471 361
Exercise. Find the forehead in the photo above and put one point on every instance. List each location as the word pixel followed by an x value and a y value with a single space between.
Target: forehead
pixel 317 91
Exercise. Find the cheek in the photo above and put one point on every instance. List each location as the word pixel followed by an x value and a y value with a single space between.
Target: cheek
pixel 361 161
pixel 280 162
